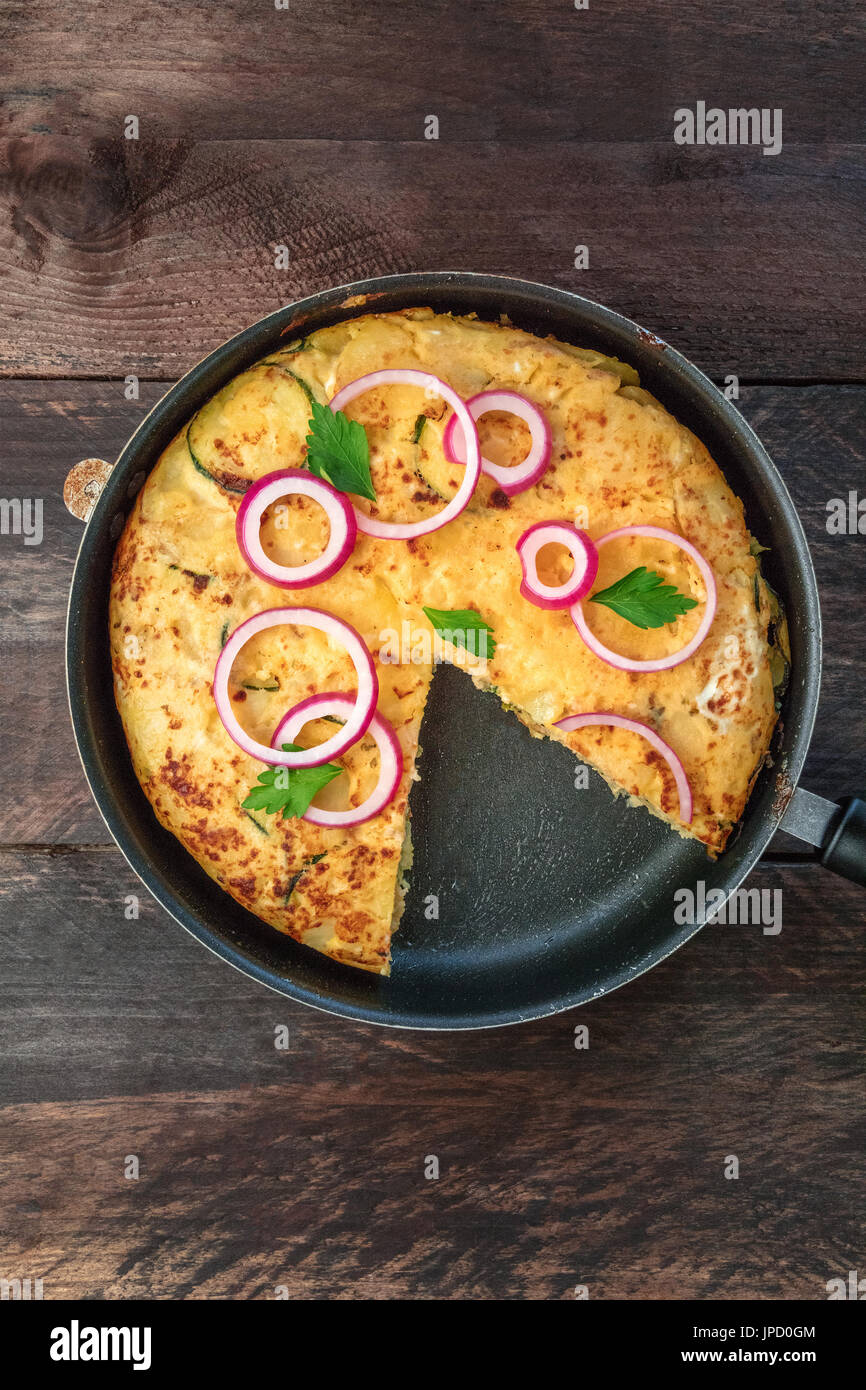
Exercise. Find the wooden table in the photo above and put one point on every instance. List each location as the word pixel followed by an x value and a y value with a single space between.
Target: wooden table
pixel 305 1168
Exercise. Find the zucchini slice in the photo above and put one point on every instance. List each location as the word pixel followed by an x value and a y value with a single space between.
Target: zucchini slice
pixel 250 427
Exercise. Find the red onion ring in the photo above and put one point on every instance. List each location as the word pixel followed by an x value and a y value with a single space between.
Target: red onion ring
pixel 522 475
pixel 619 721
pixel 662 663
pixel 390 756
pixel 582 551
pixel 363 705
pixel 409 376
pixel 338 510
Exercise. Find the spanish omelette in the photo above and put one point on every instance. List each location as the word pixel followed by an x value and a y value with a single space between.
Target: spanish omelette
pixel 180 586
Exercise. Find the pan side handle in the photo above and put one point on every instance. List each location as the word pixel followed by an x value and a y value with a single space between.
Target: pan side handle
pixel 838 829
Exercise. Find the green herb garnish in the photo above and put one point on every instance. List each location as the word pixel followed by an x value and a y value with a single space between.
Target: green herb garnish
pixel 643 598
pixel 339 452
pixel 463 627
pixel 419 428
pixel 289 789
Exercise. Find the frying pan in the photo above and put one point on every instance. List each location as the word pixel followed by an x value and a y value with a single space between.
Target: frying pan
pixel 528 895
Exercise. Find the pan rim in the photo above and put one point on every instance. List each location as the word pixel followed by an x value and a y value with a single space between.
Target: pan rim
pixel 415 285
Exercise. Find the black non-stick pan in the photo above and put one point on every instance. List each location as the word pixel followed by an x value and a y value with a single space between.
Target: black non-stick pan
pixel 529 895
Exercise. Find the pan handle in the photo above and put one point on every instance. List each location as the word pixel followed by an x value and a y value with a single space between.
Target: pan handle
pixel 838 829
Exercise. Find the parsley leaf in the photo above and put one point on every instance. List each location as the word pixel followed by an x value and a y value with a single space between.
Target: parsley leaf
pixel 339 452
pixel 463 627
pixel 643 598
pixel 289 789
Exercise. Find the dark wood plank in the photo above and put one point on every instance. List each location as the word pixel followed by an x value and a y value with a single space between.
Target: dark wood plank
pixel 46 427
pixel 124 256
pixel 558 1166
pixel 540 1189
pixel 817 435
pixel 494 70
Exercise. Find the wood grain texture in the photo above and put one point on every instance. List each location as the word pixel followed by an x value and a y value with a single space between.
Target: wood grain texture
pixel 124 256
pixel 46 427
pixel 544 1183
pixel 493 70
pixel 557 1166
pixel 817 435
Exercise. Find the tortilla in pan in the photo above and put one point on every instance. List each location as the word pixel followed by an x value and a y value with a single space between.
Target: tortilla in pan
pixel 181 586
